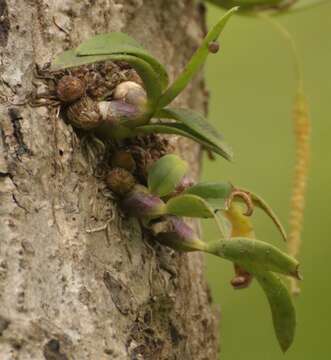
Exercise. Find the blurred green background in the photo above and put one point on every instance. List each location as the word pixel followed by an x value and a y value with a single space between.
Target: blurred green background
pixel 252 87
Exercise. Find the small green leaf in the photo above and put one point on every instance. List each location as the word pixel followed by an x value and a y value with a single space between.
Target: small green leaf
pixel 120 43
pixel 178 129
pixel 69 59
pixel 166 174
pixel 215 194
pixel 195 63
pixel 251 253
pixel 190 206
pixel 198 125
pixel 282 308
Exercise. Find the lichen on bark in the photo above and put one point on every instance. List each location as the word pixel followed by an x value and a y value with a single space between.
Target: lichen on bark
pixel 78 280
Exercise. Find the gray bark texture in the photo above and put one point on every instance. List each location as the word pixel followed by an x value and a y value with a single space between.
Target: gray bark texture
pixel 78 279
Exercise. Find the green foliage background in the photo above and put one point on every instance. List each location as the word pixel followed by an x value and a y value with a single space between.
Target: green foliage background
pixel 252 87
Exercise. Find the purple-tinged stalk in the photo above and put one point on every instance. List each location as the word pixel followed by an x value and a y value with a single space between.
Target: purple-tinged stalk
pixel 172 231
pixel 140 203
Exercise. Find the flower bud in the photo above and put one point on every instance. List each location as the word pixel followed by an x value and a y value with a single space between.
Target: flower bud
pixel 84 113
pixel 120 181
pixel 213 47
pixel 70 88
pixel 141 204
pixel 175 233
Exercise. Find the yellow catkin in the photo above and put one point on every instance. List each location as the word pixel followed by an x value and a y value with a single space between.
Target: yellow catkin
pixel 302 129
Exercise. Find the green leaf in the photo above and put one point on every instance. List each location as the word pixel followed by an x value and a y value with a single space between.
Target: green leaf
pixel 199 126
pixel 190 206
pixel 120 43
pixel 251 253
pixel 69 59
pixel 166 174
pixel 282 308
pixel 215 194
pixel 195 63
pixel 178 129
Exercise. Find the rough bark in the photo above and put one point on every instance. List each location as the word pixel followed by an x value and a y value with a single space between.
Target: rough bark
pixel 67 292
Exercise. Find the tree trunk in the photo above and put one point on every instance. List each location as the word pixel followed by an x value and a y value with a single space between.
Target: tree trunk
pixel 78 280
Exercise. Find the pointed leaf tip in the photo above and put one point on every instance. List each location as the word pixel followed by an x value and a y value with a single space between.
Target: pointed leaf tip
pixel 196 61
pixel 200 128
pixel 297 273
pixel 282 308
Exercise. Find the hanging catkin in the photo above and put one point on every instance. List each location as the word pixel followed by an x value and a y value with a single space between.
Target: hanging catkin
pixel 302 129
